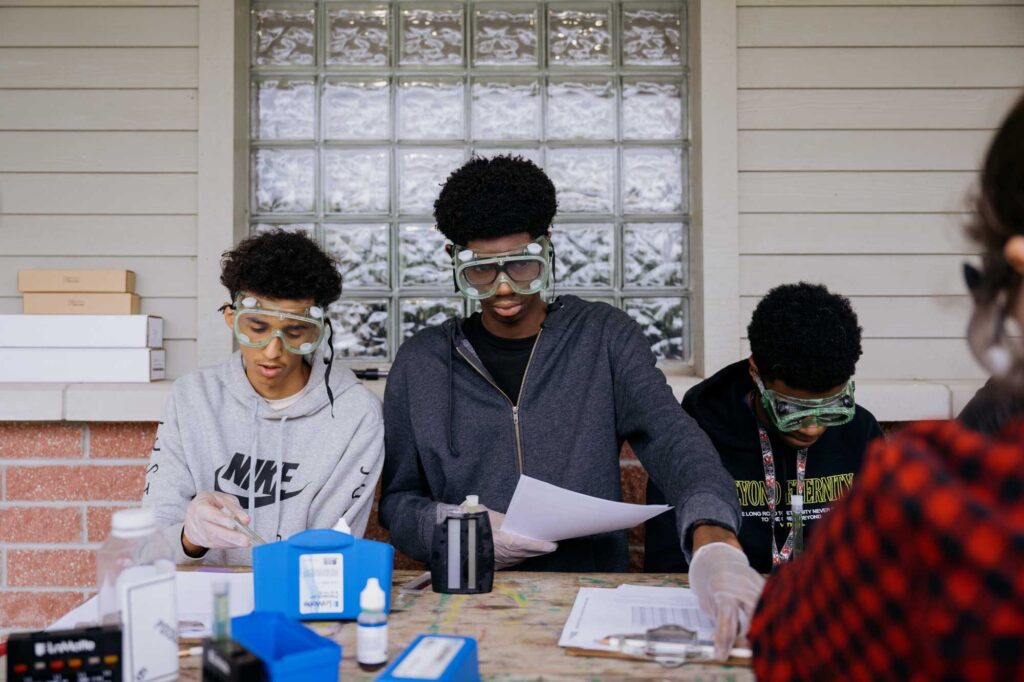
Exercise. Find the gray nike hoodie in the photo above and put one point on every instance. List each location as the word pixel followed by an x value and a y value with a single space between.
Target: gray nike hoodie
pixel 291 469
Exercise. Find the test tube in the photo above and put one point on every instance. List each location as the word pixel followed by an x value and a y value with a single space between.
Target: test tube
pixel 221 630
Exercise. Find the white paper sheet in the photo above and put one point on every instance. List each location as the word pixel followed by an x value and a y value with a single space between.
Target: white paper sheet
pixel 194 590
pixel 631 609
pixel 543 511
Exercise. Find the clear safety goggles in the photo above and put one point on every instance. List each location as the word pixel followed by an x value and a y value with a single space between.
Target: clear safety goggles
pixel 789 414
pixel 256 327
pixel 527 270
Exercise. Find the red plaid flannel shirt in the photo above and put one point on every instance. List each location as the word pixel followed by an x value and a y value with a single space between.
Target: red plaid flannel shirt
pixel 916 574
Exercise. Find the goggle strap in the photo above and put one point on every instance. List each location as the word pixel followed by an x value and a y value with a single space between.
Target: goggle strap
pixel 329 361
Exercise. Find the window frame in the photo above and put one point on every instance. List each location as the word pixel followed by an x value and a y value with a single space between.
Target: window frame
pixel 223 177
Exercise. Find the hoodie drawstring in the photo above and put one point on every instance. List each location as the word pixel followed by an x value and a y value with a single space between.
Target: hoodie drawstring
pixel 279 483
pixel 253 452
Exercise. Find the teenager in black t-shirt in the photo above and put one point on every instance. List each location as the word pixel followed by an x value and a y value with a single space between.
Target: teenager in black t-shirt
pixel 791 403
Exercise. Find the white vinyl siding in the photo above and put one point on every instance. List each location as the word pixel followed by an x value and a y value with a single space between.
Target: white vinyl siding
pixel 861 131
pixel 98 149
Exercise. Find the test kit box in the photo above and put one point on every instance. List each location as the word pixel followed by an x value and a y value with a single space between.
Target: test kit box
pixel 80 304
pixel 318 574
pixel 75 365
pixel 441 658
pixel 110 281
pixel 81 331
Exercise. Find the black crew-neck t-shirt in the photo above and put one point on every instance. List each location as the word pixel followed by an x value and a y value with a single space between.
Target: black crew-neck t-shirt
pixel 505 359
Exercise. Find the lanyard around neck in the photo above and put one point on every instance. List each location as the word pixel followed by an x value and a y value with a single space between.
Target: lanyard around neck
pixel 768 459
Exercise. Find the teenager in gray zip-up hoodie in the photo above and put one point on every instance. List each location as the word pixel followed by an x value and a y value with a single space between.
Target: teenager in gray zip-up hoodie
pixel 461 421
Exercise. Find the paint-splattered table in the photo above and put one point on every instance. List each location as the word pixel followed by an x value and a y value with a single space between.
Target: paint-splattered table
pixel 517 627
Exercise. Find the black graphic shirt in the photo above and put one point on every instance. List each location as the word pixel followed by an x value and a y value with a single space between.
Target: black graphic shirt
pixel 719 404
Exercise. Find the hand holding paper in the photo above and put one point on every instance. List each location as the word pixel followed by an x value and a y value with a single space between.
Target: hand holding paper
pixel 543 511
pixel 510 548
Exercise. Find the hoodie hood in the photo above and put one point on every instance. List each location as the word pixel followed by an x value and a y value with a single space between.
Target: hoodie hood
pixel 314 395
pixel 720 406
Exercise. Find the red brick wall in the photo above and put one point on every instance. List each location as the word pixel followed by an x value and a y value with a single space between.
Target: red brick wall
pixel 59 484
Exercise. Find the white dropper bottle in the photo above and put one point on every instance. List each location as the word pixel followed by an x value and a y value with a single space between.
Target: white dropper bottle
pixel 372 628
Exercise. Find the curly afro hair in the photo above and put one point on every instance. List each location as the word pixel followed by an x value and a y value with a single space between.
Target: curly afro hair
pixel 494 197
pixel 283 265
pixel 805 336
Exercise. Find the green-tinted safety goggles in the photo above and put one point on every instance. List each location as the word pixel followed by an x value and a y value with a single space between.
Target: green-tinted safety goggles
pixel 789 414
pixel 256 327
pixel 527 270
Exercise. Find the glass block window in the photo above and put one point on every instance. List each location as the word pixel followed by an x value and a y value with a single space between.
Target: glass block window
pixel 360 110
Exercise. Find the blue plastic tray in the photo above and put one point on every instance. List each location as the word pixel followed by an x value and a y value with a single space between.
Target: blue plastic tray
pixel 288 649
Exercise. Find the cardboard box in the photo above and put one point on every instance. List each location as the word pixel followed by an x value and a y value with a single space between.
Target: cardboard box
pixel 109 281
pixel 81 331
pixel 73 365
pixel 80 304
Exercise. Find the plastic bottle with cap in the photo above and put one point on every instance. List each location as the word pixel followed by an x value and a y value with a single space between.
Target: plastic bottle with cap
pixel 136 563
pixel 372 628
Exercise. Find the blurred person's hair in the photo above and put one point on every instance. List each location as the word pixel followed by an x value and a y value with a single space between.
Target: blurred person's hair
pixel 999 207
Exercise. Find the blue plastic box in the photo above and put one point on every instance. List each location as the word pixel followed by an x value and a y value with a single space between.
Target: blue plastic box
pixel 318 574
pixel 439 658
pixel 289 650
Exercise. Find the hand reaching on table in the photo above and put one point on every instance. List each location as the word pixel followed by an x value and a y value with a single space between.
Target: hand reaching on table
pixel 728 590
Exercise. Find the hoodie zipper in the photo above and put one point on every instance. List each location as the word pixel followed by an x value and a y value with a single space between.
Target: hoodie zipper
pixel 514 406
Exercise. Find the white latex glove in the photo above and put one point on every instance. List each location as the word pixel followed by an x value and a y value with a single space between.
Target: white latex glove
pixel 206 524
pixel 728 590
pixel 510 548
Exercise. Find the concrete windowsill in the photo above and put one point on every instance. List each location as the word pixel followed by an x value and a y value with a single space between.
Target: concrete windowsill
pixel 889 401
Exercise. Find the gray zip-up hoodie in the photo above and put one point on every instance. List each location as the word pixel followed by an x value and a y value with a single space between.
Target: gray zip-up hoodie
pixel 590 384
pixel 291 469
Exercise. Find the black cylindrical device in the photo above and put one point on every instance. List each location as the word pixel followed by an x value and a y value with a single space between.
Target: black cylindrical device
pixel 462 557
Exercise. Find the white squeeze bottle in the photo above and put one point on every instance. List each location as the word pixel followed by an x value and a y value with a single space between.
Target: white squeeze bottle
pixel 135 570
pixel 372 628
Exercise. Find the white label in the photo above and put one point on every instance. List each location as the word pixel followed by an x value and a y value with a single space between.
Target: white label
pixel 430 658
pixel 321 583
pixel 372 644
pixel 150 614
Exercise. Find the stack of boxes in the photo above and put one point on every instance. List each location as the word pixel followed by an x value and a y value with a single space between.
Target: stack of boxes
pixel 80 326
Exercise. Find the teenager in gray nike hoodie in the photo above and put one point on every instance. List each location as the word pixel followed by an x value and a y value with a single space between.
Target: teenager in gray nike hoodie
pixel 292 458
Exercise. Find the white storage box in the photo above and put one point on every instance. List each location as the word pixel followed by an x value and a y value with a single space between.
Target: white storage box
pixel 74 365
pixel 81 331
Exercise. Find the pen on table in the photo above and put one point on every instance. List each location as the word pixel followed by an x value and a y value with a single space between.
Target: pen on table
pixel 641 646
pixel 248 532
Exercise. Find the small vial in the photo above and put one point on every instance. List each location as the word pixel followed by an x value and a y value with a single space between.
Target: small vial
pixel 372 628
pixel 221 630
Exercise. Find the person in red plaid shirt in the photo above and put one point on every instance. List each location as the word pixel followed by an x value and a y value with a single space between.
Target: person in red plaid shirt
pixel 918 572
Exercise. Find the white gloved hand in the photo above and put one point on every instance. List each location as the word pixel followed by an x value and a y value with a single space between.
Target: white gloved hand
pixel 728 590
pixel 510 548
pixel 206 524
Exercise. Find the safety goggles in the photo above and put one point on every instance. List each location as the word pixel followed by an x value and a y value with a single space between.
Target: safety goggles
pixel 256 326
pixel 527 270
pixel 789 414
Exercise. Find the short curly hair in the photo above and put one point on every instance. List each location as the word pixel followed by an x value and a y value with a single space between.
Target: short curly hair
pixel 282 265
pixel 806 336
pixel 494 197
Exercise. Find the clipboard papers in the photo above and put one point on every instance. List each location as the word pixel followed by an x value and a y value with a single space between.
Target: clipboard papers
pixel 657 623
